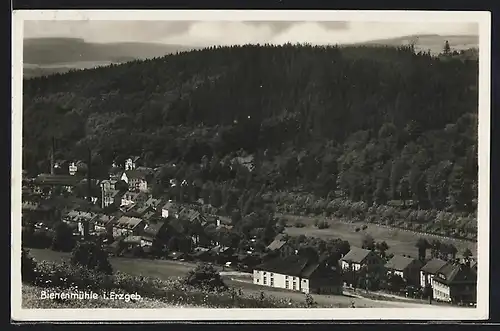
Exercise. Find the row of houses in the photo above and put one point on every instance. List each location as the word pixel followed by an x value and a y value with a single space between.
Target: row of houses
pixel 450 281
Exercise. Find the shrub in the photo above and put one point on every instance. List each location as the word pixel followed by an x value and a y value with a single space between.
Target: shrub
pixel 36 239
pixel 63 239
pixel 138 251
pixel 310 300
pixel 299 225
pixel 323 225
pixel 28 266
pixel 91 255
pixel 357 229
pixel 364 227
pixel 205 276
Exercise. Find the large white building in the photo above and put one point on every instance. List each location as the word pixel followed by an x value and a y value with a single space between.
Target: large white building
pixel 299 273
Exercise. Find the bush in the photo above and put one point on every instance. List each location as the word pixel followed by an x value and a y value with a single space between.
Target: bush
pixel 364 227
pixel 299 225
pixel 357 229
pixel 323 225
pixel 205 276
pixel 28 267
pixel 138 251
pixel 63 239
pixel 92 256
pixel 35 239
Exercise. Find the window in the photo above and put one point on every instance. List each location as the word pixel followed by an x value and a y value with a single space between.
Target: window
pixel 286 277
pixel 272 274
pixel 272 281
pixel 294 285
pixel 265 281
pixel 287 284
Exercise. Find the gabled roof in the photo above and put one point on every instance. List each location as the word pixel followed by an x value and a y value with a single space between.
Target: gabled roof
pixel 128 222
pixel 104 220
pixel 276 244
pixel 154 229
pixel 136 174
pixel 399 262
pixel 133 240
pixel 356 255
pixel 293 265
pixel 455 273
pixel 433 266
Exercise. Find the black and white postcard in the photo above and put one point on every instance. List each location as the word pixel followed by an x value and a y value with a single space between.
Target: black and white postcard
pixel 250 165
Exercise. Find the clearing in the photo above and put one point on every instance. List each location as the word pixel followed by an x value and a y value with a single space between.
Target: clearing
pixel 400 241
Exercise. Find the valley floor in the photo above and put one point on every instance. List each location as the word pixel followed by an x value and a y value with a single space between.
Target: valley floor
pixel 165 269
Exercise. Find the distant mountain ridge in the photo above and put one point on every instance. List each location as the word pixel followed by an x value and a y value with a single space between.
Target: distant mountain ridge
pixel 44 56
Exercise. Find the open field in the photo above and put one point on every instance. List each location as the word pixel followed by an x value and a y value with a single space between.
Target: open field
pixel 165 269
pixel 400 241
pixel 31 299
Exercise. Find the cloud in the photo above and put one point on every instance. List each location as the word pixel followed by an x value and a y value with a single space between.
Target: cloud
pixel 205 33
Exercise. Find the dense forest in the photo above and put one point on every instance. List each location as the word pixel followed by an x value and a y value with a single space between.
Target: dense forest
pixel 375 126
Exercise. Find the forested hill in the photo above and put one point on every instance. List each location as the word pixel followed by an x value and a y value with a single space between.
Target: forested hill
pixel 370 123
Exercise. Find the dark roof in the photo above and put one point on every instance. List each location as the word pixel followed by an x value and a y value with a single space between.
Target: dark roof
pixel 455 273
pixel 293 265
pixel 104 220
pixel 154 228
pixel 399 262
pixel 356 255
pixel 433 266
pixel 66 180
pixel 189 214
pixel 276 244
pixel 128 222
pixel 139 174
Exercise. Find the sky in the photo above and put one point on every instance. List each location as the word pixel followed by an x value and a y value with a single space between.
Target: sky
pixel 206 33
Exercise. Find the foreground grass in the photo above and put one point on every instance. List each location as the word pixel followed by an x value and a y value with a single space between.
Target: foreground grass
pixel 32 299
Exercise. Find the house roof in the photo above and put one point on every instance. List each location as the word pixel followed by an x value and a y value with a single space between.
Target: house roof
pixel 293 265
pixel 104 220
pixel 77 215
pixel 189 214
pixel 276 244
pixel 136 174
pixel 66 180
pixel 433 266
pixel 154 228
pixel 128 222
pixel 455 273
pixel 356 255
pixel 153 202
pixel 399 262
pixel 132 240
pixel 219 249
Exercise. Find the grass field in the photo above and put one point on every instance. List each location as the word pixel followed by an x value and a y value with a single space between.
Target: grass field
pixel 400 241
pixel 165 269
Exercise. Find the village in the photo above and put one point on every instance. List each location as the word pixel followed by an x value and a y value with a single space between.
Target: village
pixel 124 217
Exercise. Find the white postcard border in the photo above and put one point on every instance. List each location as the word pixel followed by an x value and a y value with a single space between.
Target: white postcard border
pixel 193 314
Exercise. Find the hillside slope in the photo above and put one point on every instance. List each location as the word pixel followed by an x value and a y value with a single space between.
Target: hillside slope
pixel 43 56
pixel 366 123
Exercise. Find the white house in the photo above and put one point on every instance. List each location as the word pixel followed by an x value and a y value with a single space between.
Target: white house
pixel 298 273
pixel 405 267
pixel 131 163
pixel 359 257
pixel 428 271
pixel 136 180
pixel 72 168
pixel 454 283
pixel 127 226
